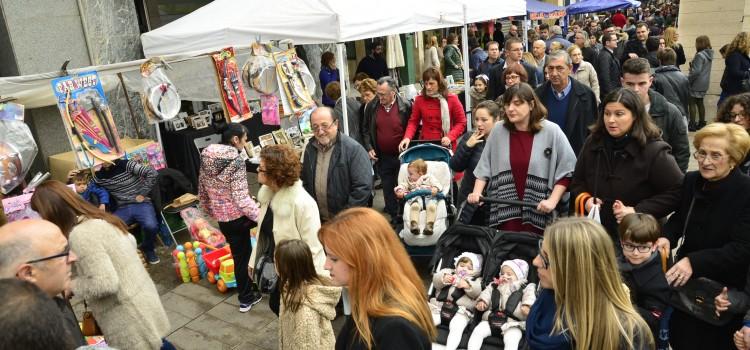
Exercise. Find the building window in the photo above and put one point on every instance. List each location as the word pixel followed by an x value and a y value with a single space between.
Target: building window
pixel 153 14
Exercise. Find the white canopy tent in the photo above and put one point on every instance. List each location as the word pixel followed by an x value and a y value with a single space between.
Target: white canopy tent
pixel 225 23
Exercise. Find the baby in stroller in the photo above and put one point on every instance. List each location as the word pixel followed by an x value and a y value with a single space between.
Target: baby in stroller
pixel 506 303
pixel 424 189
pixel 456 291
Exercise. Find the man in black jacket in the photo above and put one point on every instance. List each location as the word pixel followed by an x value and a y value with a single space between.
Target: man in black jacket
pixel 608 66
pixel 513 54
pixel 383 128
pixel 569 103
pixel 636 75
pixel 670 81
pixel 336 170
pixel 636 47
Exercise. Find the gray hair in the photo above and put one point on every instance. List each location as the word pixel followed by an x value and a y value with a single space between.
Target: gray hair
pixel 13 252
pixel 556 55
pixel 392 83
pixel 539 41
pixel 556 30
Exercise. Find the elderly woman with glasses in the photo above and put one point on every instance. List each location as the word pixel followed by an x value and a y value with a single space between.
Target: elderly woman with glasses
pixel 583 303
pixel 713 219
pixel 108 274
pixel 736 109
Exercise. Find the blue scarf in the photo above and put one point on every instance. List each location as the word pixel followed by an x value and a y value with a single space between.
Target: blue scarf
pixel 540 322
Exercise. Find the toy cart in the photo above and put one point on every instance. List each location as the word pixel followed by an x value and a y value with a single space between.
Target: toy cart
pixel 221 268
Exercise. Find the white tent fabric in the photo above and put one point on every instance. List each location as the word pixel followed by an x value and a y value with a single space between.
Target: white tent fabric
pixel 224 23
pixel 394 54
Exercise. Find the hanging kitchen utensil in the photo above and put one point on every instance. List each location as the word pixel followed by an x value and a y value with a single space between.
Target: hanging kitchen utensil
pixel 161 97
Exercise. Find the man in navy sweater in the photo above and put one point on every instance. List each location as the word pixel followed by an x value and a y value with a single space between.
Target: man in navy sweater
pixel 569 103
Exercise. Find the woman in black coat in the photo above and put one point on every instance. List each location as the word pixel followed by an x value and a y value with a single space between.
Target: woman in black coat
pixel 713 219
pixel 624 165
pixel 737 64
pixel 467 156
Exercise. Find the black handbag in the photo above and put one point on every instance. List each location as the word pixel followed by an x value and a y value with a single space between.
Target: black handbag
pixel 266 276
pixel 696 297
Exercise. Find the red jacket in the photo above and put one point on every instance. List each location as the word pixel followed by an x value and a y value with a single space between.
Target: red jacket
pixel 427 110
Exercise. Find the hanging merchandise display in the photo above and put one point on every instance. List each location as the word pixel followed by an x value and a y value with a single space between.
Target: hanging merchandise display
pixel 295 81
pixel 17 147
pixel 87 118
pixel 259 71
pixel 270 108
pixel 230 84
pixel 160 97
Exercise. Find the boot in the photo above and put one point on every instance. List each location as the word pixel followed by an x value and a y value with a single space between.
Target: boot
pixel 692 126
pixel 428 229
pixel 414 227
pixel 701 124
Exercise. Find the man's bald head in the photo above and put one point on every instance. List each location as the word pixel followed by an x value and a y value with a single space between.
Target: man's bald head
pixel 26 240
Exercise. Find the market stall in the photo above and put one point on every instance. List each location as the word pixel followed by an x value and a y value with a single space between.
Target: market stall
pixel 589 6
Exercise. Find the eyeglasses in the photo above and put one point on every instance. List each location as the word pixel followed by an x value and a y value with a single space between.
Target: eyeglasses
pixel 701 156
pixel 322 127
pixel 512 76
pixel 556 68
pixel 739 115
pixel 545 260
pixel 629 247
pixel 65 253
pixel 261 170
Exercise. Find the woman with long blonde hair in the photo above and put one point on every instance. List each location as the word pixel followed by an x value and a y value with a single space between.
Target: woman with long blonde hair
pixel 671 38
pixel 388 299
pixel 431 56
pixel 583 304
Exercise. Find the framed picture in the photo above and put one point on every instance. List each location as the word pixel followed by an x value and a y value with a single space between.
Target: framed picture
pixel 256 151
pixel 250 150
pixel 198 122
pixel 255 107
pixel 266 139
pixel 281 137
pixel 178 124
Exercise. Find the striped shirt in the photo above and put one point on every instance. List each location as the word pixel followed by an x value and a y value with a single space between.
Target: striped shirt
pixel 127 179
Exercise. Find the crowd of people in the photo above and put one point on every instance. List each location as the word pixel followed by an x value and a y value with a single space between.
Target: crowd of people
pixel 586 123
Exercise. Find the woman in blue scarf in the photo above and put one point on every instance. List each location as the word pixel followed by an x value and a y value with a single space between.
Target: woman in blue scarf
pixel 583 303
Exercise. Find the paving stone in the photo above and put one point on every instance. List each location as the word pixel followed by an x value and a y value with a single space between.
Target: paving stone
pixel 199 293
pixel 187 339
pixel 176 320
pixel 251 320
pixel 266 338
pixel 184 306
pixel 218 330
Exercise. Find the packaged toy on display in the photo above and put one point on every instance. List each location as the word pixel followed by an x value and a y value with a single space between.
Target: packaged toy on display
pixel 295 81
pixel 17 147
pixel 200 229
pixel 259 71
pixel 87 119
pixel 149 154
pixel 230 83
pixel 160 97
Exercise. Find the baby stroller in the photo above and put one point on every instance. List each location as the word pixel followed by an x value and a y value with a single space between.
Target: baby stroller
pixel 437 158
pixel 495 247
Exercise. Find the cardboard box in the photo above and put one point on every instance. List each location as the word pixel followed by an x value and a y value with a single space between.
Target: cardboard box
pixel 61 164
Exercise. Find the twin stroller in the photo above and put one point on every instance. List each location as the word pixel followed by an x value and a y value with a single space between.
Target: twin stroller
pixel 495 247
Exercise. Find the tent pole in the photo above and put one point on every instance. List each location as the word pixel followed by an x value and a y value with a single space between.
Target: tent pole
pixel 525 33
pixel 467 66
pixel 344 79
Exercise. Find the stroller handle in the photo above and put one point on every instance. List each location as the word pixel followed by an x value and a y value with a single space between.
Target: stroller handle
pixel 512 202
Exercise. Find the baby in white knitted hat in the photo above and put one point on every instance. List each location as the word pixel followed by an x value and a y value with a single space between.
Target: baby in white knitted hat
pixel 506 303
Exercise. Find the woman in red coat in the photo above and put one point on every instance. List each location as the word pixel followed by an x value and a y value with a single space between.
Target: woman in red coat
pixel 441 113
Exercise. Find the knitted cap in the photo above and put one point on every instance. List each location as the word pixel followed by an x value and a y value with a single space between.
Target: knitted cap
pixel 520 267
pixel 476 260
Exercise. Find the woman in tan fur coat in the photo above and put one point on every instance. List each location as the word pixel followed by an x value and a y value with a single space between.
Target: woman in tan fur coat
pixel 108 275
pixel 308 302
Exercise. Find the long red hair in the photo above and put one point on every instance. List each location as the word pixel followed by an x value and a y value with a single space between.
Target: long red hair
pixel 383 280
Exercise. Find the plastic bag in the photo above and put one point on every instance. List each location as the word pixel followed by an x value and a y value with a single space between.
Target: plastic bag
pixel 200 229
pixel 259 71
pixel 17 148
pixel 161 98
pixel 594 213
pixel 270 107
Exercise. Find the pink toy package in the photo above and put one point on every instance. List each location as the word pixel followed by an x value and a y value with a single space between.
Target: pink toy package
pixel 200 229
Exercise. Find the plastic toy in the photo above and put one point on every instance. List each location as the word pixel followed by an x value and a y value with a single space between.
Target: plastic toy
pixel 183 267
pixel 202 269
pixel 200 229
pixel 188 259
pixel 226 278
pixel 220 268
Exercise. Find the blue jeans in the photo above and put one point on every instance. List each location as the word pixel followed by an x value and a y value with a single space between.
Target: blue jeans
pixel 145 216
pixel 166 345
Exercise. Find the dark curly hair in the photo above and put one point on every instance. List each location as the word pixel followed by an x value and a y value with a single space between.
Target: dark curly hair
pixel 726 107
pixel 282 164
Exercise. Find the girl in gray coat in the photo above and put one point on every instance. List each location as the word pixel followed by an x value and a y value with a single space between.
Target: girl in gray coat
pixel 699 77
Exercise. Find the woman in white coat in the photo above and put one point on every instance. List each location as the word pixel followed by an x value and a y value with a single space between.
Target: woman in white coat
pixel 583 71
pixel 287 211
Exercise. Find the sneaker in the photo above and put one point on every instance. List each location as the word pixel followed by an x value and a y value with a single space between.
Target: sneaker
pixel 245 307
pixel 152 258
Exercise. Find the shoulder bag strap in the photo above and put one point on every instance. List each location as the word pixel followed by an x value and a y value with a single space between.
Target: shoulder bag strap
pixel 513 300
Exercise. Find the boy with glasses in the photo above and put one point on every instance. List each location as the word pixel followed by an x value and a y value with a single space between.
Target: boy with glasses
pixel 642 268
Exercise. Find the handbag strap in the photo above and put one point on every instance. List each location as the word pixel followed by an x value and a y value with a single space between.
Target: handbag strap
pixel 685 224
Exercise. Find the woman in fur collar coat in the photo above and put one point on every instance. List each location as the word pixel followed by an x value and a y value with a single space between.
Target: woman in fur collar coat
pixel 108 275
pixel 287 211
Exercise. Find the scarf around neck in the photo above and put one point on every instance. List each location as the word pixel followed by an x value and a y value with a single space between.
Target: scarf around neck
pixel 445 117
pixel 540 322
